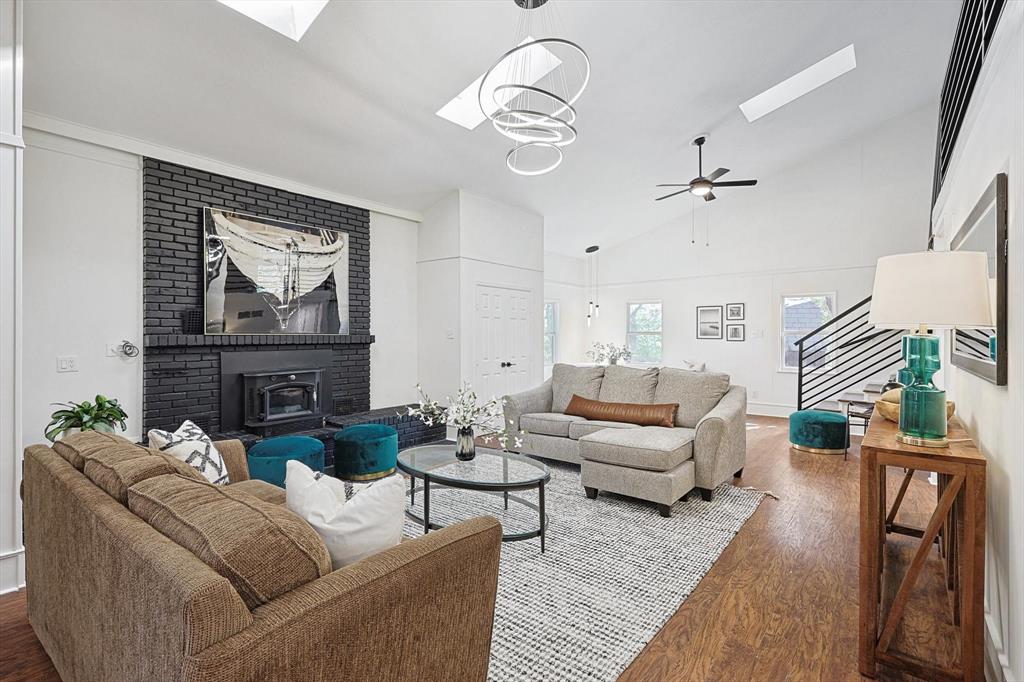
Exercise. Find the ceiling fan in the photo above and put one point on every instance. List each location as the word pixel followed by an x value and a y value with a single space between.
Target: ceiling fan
pixel 702 186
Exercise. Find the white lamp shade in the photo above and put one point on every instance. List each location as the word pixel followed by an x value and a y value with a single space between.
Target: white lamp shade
pixel 939 289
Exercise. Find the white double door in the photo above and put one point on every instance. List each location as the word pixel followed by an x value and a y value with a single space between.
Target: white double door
pixel 501 341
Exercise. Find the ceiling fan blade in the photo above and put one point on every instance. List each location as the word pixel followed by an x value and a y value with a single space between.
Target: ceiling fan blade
pixel 736 183
pixel 680 185
pixel 717 174
pixel 710 196
pixel 673 194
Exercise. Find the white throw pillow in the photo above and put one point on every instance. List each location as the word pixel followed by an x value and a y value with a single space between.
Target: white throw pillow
pixel 353 520
pixel 693 365
pixel 192 446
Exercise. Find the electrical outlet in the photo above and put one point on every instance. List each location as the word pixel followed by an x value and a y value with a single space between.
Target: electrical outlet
pixel 67 363
pixel 755 394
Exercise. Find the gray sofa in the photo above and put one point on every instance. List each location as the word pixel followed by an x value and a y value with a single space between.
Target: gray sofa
pixel 706 447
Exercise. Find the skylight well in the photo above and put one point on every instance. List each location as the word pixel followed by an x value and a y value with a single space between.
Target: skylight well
pixel 291 18
pixel 464 108
pixel 800 84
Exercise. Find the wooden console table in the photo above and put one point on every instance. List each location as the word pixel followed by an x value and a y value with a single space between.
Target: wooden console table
pixel 958 524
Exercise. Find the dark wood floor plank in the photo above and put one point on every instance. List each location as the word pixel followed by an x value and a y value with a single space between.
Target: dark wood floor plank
pixel 780 603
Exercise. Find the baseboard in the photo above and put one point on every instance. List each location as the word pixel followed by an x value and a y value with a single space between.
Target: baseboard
pixel 761 409
pixel 12 571
pixel 997 663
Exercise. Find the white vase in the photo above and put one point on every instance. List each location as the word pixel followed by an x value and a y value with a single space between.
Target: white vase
pixel 68 432
pixel 101 427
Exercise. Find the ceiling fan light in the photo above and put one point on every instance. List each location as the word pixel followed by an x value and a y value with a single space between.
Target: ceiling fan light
pixel 700 189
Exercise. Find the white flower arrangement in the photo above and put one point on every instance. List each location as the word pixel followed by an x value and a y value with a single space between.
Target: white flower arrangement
pixel 610 352
pixel 465 413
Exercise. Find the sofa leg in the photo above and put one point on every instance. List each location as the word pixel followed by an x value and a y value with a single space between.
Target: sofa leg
pixel 738 474
pixel 706 494
pixel 665 510
pixel 591 492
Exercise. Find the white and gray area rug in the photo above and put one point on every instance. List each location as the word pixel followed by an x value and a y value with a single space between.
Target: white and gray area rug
pixel 613 574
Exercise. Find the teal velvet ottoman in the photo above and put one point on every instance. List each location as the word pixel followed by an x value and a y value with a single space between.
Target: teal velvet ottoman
pixel 268 459
pixel 818 431
pixel 365 452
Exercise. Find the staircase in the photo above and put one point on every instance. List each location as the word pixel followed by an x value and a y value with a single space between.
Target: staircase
pixel 845 358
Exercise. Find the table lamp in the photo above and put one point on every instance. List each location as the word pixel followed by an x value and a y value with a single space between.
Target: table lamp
pixel 928 291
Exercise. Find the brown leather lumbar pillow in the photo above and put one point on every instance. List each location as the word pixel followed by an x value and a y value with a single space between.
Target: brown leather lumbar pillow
pixel 630 413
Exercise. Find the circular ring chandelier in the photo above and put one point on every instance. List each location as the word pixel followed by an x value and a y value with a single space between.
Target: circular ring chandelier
pixel 560 137
pixel 528 94
pixel 524 167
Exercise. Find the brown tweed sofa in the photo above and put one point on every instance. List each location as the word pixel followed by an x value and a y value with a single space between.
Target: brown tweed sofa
pixel 111 598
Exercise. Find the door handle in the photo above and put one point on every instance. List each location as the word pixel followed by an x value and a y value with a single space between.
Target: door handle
pixel 507 364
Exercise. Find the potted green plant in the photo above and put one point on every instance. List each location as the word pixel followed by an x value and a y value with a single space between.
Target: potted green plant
pixel 102 415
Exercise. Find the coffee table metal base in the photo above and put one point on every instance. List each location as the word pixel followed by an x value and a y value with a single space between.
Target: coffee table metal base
pixel 429 525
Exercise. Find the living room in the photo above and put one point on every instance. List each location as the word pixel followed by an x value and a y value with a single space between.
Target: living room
pixel 540 339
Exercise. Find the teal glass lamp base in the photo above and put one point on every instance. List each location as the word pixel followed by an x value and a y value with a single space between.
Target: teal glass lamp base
pixel 922 404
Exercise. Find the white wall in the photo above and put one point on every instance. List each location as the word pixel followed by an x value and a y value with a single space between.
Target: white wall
pixel 501 246
pixel 992 141
pixel 438 326
pixel 564 282
pixel 816 227
pixel 12 553
pixel 393 310
pixel 467 240
pixel 83 276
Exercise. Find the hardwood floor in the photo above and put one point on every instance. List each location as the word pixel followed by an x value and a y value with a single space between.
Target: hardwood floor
pixel 780 603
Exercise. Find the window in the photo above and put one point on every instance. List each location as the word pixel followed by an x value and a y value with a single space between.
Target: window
pixel 550 332
pixel 643 331
pixel 801 314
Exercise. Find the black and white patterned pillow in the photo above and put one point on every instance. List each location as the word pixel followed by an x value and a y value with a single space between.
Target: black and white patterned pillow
pixel 192 446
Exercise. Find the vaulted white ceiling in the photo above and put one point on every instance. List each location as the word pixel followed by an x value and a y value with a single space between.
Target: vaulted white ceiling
pixel 351 107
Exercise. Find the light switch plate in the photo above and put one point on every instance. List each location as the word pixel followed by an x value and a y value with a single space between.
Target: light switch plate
pixel 67 363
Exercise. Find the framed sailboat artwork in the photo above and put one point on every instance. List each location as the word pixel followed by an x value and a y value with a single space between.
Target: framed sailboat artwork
pixel 269 276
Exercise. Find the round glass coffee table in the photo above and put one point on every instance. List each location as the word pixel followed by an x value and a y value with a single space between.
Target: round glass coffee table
pixel 490 471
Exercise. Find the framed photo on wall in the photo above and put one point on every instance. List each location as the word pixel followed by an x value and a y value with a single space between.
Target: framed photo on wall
pixel 735 332
pixel 735 311
pixel 270 276
pixel 709 322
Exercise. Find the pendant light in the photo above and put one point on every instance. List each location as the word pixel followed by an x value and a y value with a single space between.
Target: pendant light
pixel 530 91
pixel 591 289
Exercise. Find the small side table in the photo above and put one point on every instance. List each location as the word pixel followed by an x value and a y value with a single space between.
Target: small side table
pixel 959 524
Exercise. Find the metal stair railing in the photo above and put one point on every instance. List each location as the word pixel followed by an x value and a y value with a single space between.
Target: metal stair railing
pixel 842 354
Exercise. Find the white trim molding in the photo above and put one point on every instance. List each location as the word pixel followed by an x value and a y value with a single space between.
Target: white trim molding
pixel 12 553
pixel 9 140
pixel 104 138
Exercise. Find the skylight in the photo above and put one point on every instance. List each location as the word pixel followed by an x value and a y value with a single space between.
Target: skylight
pixel 464 108
pixel 800 84
pixel 291 18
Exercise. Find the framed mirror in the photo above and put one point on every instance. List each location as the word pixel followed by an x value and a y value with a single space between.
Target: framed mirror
pixel 982 352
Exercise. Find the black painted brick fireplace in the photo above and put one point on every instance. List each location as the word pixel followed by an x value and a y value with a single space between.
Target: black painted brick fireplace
pixel 181 371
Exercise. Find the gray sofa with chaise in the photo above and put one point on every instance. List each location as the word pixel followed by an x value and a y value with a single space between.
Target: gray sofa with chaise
pixel 706 447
